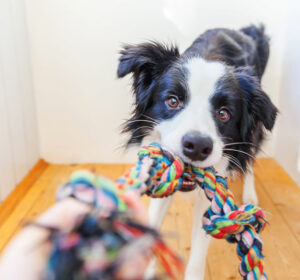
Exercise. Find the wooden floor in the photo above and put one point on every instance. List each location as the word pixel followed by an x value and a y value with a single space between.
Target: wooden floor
pixel 278 195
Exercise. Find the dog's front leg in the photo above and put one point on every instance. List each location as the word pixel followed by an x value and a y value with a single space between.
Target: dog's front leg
pixel 249 193
pixel 157 211
pixel 200 240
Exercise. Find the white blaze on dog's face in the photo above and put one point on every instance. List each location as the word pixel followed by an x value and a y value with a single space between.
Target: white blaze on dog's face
pixel 196 117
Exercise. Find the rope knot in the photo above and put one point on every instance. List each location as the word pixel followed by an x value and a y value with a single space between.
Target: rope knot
pixel 165 176
pixel 241 225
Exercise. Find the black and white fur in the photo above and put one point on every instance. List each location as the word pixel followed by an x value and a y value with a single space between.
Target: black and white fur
pixel 211 94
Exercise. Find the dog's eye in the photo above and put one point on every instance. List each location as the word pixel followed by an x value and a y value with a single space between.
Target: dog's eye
pixel 223 114
pixel 173 102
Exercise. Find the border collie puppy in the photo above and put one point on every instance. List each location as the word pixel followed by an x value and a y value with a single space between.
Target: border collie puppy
pixel 205 105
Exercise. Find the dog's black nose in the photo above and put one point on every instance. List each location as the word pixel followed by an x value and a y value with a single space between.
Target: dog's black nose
pixel 196 146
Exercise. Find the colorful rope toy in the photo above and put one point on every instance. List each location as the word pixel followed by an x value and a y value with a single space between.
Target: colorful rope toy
pixel 158 174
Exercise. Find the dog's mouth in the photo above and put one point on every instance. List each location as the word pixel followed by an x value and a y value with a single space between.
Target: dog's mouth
pixel 189 182
pixel 188 186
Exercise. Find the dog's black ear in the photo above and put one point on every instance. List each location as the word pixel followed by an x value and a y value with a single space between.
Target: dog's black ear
pixel 265 110
pixel 145 62
pixel 260 59
pixel 258 107
pixel 150 58
pixel 226 48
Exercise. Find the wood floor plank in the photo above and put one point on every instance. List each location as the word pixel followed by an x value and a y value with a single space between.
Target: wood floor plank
pixel 10 203
pixel 18 216
pixel 284 192
pixel 281 248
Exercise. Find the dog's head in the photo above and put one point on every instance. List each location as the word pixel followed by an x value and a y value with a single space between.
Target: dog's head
pixel 202 110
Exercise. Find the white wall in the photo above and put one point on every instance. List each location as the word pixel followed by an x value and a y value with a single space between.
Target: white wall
pixel 288 136
pixel 18 130
pixel 74 48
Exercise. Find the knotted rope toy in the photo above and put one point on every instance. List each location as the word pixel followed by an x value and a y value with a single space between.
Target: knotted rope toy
pixel 158 174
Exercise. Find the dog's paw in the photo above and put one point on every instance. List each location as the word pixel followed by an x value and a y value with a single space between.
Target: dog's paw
pixel 250 197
